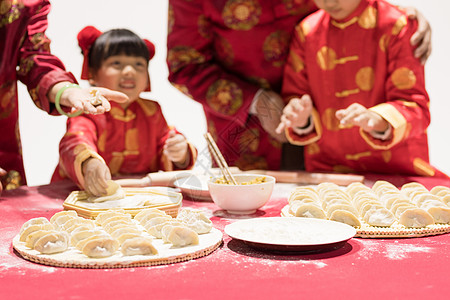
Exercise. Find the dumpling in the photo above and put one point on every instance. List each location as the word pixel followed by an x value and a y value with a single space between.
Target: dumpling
pixel 156 229
pixel 138 246
pixel 67 213
pixel 195 220
pixel 415 218
pixel 180 236
pixel 107 214
pixel 379 216
pixel 34 221
pixel 81 235
pixel 346 217
pixel 53 242
pixel 307 210
pixel 113 192
pixel 32 228
pixel 101 246
pixel 146 211
pixel 34 236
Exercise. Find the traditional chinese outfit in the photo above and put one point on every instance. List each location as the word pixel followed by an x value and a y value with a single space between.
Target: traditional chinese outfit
pixel 368 59
pixel 25 56
pixel 129 141
pixel 220 53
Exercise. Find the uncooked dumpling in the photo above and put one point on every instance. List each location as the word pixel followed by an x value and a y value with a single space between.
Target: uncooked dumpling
pixel 34 221
pixel 113 192
pixel 416 218
pixel 180 236
pixel 53 242
pixel 32 228
pixel 346 217
pixel 101 246
pixel 138 246
pixel 196 220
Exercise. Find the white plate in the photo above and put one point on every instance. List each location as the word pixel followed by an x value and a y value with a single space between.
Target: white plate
pixel 291 234
pixel 194 186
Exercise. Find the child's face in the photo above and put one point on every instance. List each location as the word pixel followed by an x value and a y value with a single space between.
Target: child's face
pixel 123 73
pixel 338 9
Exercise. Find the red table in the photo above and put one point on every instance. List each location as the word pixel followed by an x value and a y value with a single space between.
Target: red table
pixel 415 268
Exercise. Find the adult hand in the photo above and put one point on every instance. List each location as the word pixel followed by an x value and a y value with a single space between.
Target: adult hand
pixel 176 149
pixel 422 37
pixel 296 113
pixel 96 174
pixel 358 115
pixel 91 100
pixel 269 108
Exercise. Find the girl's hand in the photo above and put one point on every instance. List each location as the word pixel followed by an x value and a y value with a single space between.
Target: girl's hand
pixel 2 173
pixel 91 100
pixel 96 174
pixel 296 113
pixel 176 149
pixel 358 115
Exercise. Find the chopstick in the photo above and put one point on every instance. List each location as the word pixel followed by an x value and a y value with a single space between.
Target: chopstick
pixel 220 160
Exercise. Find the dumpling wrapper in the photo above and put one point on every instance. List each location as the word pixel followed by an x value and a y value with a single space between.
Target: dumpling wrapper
pixel 101 246
pixel 346 217
pixel 416 218
pixel 180 236
pixel 113 192
pixel 34 221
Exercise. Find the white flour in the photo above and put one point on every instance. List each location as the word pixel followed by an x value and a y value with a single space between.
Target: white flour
pixel 393 251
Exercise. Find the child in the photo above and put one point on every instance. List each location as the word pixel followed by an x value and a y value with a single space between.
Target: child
pixel 357 94
pixel 133 138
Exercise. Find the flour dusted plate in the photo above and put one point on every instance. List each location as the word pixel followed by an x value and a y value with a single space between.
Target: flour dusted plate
pixel 194 186
pixel 291 234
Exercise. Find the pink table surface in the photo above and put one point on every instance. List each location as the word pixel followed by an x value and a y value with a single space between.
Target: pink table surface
pixel 412 268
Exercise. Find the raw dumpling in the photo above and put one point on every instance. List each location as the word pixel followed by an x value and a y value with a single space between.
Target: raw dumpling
pixel 53 242
pixel 195 220
pixel 180 236
pixel 32 228
pixel 416 218
pixel 113 192
pixel 346 217
pixel 101 246
pixel 67 213
pixel 34 221
pixel 138 246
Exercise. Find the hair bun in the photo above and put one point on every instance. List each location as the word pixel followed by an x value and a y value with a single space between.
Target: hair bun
pixel 151 48
pixel 86 37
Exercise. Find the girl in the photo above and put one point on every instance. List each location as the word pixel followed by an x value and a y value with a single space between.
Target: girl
pixel 133 138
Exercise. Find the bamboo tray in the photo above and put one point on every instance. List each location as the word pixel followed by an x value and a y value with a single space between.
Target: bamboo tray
pixel 167 254
pixel 396 230
pixel 167 201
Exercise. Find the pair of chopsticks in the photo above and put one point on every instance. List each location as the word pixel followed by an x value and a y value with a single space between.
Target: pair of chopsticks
pixel 220 160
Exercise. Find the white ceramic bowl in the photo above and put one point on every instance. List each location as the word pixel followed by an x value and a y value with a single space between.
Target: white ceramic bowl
pixel 241 199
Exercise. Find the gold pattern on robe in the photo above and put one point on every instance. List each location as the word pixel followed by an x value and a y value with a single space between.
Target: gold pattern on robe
pixel 149 107
pixel 132 140
pixel 423 168
pixel 346 93
pixel 403 78
pixel 312 149
pixel 365 78
pixel 302 30
pixel 296 62
pixel 343 169
pixel 9 11
pixel 40 42
pixel 249 140
pixel 399 24
pixel 25 65
pixel 276 47
pixel 251 162
pixel 368 18
pixel 204 27
pixel 7 96
pixel 344 25
pixel 357 156
pixel 101 142
pixel 118 114
pixel 383 43
pixel 182 88
pixel 224 96
pixel 329 120
pixel 181 56
pixel 170 19
pixel 241 14
pixel 386 155
pixel 80 148
pixel 261 82
pixel 327 59
pixel 115 163
pixel 224 51
pixel 409 104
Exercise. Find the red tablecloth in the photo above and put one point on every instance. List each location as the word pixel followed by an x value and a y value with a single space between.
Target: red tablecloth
pixel 414 268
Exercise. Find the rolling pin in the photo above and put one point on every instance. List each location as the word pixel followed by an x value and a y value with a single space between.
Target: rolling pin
pixel 303 177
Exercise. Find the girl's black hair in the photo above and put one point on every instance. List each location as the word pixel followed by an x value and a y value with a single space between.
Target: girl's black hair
pixel 116 42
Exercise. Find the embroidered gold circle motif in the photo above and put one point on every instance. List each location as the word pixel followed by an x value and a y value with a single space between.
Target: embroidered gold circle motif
pixel 403 78
pixel 241 14
pixel 224 96
pixel 365 78
pixel 326 58
pixel 368 18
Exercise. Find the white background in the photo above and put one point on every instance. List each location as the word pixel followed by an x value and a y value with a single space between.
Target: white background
pixel 41 133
